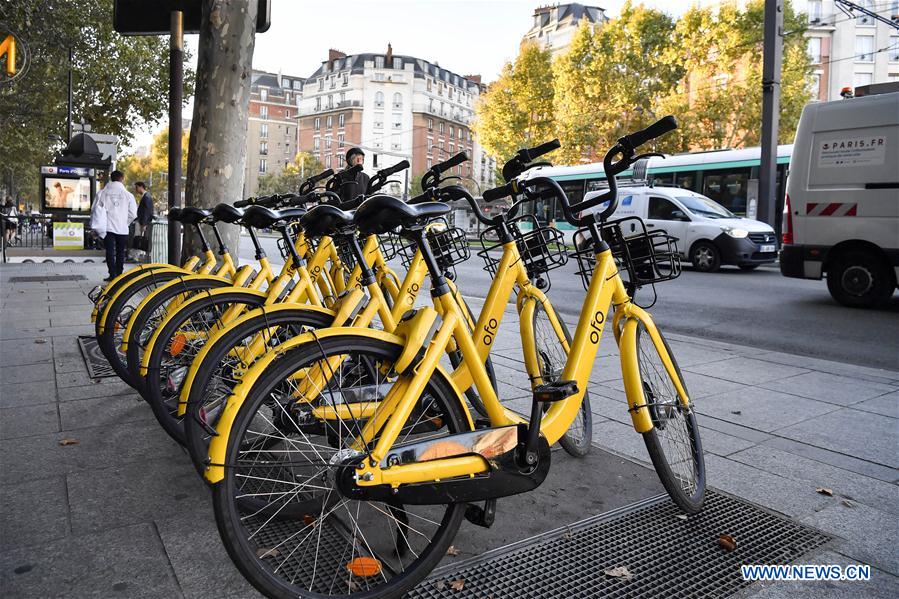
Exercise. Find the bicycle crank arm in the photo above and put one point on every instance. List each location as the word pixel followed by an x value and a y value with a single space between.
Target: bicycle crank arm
pixel 502 449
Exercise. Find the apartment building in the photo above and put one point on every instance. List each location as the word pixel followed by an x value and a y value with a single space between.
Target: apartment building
pixel 849 48
pixel 394 107
pixel 554 25
pixel 272 126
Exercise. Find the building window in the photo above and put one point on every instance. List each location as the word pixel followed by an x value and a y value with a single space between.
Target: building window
pixel 333 81
pixel 379 122
pixel 263 130
pixel 318 103
pixel 287 97
pixel 263 94
pixel 342 98
pixel 316 143
pixel 340 138
pixel 329 122
pixel 286 114
pixel 263 148
pixel 864 48
pixel 330 101
pixel 864 20
pixel 328 142
pixel 340 160
pixel 263 112
pixel 397 63
pixel 379 62
pixel 328 161
pixel 893 51
pixel 297 84
pixel 397 100
pixel 379 100
pixel 815 86
pixel 452 132
pixel 287 131
pixel 397 121
pixel 430 163
pixel 430 84
pixel 262 165
pixel 861 79
pixel 430 144
pixel 430 124
pixel 346 79
pixel 318 123
pixel 379 76
pixel 440 127
pixel 395 143
pixel 440 89
pixel 341 120
pixel 440 145
pixel 814 49
pixel 321 84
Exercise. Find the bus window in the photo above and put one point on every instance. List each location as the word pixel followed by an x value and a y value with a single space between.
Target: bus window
pixel 685 180
pixel 728 189
pixel 574 190
pixel 666 180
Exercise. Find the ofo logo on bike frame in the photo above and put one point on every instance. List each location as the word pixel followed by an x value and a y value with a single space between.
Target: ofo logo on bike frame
pixel 13 55
pixel 852 572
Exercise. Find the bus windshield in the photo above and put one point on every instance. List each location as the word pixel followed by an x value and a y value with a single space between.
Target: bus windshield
pixel 703 206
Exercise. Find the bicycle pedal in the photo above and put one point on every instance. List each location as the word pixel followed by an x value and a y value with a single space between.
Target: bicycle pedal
pixel 482 516
pixel 555 391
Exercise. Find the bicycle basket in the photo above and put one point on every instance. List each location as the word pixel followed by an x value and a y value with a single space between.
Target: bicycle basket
pixel 294 229
pixel 643 257
pixel 344 248
pixel 542 248
pixel 391 245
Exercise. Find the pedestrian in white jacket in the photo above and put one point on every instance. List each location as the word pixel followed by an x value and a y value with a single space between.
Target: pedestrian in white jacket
pixel 114 210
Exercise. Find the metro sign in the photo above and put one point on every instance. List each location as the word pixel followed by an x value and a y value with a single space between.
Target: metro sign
pixel 14 52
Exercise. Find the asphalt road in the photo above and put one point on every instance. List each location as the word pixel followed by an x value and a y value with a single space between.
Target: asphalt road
pixel 760 309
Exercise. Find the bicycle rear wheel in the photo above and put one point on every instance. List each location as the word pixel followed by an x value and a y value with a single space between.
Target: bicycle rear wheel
pixel 551 358
pixel 279 513
pixel 673 443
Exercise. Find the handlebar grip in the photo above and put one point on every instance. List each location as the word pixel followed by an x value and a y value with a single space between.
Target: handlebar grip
pixel 427 196
pixel 350 172
pixel 322 175
pixel 532 153
pixel 392 170
pixel 453 161
pixel 243 203
pixel 499 192
pixel 657 129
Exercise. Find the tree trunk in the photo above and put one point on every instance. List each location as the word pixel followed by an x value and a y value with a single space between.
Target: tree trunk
pixel 217 153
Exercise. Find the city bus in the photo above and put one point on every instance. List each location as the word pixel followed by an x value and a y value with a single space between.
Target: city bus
pixel 730 177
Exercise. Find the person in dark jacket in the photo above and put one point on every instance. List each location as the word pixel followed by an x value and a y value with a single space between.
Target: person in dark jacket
pixel 144 208
pixel 351 189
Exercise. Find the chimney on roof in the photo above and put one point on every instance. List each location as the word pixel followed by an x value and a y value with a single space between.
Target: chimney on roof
pixel 474 78
pixel 333 54
pixel 388 58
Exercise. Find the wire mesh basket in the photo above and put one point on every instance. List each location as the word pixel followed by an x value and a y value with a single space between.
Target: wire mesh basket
pixel 391 245
pixel 448 244
pixel 542 248
pixel 294 229
pixel 643 257
pixel 344 247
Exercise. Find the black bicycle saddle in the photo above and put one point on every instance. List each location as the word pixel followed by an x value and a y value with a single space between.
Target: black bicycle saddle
pixel 384 213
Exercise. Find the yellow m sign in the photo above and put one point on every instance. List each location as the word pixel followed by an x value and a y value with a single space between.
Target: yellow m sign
pixel 8 49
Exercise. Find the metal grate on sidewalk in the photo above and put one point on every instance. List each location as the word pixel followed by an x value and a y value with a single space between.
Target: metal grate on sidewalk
pixel 47 279
pixel 668 556
pixel 97 365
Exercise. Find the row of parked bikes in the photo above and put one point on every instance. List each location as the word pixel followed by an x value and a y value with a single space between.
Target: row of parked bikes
pixel 346 423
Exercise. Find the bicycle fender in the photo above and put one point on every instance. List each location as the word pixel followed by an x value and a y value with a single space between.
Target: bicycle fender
pixel 633 386
pixel 158 291
pixel 116 286
pixel 198 360
pixel 145 359
pixel 219 444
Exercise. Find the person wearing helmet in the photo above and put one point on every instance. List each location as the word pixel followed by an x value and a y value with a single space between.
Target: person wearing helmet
pixel 351 189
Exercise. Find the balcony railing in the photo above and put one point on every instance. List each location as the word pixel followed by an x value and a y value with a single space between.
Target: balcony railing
pixel 336 106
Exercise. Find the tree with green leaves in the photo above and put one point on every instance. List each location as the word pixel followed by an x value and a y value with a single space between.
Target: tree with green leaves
pixel 153 168
pixel 517 110
pixel 719 102
pixel 303 166
pixel 120 83
pixel 610 79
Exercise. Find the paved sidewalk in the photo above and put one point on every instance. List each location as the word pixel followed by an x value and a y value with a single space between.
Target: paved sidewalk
pixel 117 510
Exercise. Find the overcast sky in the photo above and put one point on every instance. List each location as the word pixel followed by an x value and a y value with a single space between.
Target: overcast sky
pixel 466 36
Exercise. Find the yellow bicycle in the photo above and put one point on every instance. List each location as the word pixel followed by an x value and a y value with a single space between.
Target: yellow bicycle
pixel 331 479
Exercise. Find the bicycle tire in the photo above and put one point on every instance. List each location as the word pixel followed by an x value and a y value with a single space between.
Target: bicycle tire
pixel 130 294
pixel 551 357
pixel 660 397
pixel 144 322
pixel 164 402
pixel 233 498
pixel 205 397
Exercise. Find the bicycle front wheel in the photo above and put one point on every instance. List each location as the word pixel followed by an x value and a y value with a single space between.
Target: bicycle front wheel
pixel 279 512
pixel 673 443
pixel 551 357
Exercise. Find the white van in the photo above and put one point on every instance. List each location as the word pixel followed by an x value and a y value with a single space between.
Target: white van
pixel 708 235
pixel 841 213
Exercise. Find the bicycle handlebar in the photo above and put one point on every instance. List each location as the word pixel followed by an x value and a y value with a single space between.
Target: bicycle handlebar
pixel 657 129
pixel 380 178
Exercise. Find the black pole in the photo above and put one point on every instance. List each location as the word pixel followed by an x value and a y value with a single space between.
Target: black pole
pixel 69 116
pixel 771 66
pixel 176 79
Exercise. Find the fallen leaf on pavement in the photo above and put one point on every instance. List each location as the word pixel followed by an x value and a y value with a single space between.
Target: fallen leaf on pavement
pixel 727 542
pixel 681 516
pixel 825 491
pixel 65 442
pixel 457 585
pixel 262 552
pixel 737 412
pixel 848 503
pixel 451 550
pixel 40 340
pixel 440 585
pixel 619 572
